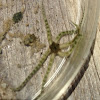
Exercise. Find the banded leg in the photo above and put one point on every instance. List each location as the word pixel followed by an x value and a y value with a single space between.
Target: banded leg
pixel 49 35
pixel 43 59
pixel 81 18
pixel 78 26
pixel 67 44
pixel 71 44
pixel 60 35
pixel 48 70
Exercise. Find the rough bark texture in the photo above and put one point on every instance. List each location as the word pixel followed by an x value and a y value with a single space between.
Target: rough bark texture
pixel 16 61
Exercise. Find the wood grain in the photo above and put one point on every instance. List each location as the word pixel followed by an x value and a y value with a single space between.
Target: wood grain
pixel 58 12
pixel 89 86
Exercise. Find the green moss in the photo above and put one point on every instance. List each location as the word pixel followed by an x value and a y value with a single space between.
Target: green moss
pixel 17 17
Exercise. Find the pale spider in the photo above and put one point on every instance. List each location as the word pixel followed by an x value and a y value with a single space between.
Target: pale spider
pixel 55 49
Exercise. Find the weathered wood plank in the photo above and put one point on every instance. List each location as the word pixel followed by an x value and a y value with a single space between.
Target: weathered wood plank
pixel 89 86
pixel 15 55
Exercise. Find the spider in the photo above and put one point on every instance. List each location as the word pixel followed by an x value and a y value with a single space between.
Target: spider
pixel 55 49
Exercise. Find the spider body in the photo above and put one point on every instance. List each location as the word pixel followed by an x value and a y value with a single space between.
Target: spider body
pixel 54 47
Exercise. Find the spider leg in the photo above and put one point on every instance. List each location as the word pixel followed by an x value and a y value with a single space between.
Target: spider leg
pixel 71 44
pixel 67 44
pixel 70 32
pixel 34 71
pixel 48 69
pixel 49 35
pixel 65 54
pixel 81 18
pixel 60 35
pixel 80 23
pixel 47 72
pixel 74 24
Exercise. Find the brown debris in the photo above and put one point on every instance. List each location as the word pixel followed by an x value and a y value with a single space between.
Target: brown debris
pixel 6 92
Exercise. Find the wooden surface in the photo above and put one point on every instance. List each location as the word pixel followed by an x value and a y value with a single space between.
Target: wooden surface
pixel 89 86
pixel 58 12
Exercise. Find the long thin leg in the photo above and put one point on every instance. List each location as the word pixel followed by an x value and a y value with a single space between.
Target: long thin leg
pixel 81 18
pixel 78 26
pixel 67 44
pixel 43 59
pixel 74 41
pixel 65 54
pixel 49 35
pixel 60 35
pixel 71 44
pixel 48 69
pixel 78 34
pixel 47 72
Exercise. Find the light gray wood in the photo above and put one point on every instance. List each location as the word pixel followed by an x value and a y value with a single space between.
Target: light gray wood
pixel 58 12
pixel 81 54
pixel 15 54
pixel 89 86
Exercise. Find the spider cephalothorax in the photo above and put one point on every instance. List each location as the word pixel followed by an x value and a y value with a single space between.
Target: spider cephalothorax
pixel 54 47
